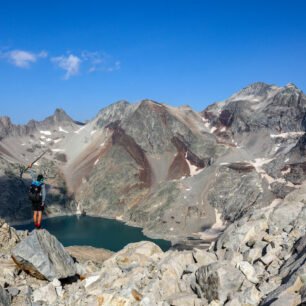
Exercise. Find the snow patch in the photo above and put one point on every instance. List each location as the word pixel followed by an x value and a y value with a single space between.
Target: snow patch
pixel 58 140
pixel 215 230
pixel 45 132
pixel 42 137
pixel 57 150
pixel 213 129
pixel 287 135
pixel 286 171
pixel 258 162
pixel 96 161
pixel 194 170
pixel 223 129
pixel 23 144
pixel 79 130
pixel 219 223
pixel 92 132
pixel 48 139
pixel 102 144
pixel 62 130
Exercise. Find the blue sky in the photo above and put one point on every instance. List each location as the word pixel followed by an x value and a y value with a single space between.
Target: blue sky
pixel 85 55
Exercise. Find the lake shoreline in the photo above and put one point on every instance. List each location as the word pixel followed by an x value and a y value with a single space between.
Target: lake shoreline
pixel 98 232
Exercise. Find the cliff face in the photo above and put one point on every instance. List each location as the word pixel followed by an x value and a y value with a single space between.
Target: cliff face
pixel 172 171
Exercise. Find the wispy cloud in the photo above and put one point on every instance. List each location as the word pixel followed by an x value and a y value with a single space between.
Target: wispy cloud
pixel 21 58
pixel 73 64
pixel 69 63
pixel 116 66
pixel 99 61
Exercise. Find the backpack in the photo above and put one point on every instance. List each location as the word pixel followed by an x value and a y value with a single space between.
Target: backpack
pixel 35 192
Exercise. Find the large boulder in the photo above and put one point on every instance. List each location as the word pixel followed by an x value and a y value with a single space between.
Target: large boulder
pixel 43 256
pixel 218 281
pixel 287 212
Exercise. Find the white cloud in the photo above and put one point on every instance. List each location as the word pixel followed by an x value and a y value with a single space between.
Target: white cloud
pixel 99 61
pixel 43 54
pixel 69 63
pixel 23 59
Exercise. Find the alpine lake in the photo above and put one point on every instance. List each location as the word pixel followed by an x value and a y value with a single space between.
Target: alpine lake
pixel 94 231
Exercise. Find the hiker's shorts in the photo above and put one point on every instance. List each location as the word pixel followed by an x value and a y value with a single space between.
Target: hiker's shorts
pixel 36 206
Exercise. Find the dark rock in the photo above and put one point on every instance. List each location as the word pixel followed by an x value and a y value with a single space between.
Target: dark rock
pixel 280 190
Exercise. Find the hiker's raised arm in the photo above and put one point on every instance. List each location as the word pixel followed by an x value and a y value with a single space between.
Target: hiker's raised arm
pixel 33 175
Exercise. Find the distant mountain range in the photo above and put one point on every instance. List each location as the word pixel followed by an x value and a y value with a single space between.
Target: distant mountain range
pixel 173 171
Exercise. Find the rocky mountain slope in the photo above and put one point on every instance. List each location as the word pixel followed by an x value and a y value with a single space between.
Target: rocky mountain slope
pixel 175 172
pixel 260 259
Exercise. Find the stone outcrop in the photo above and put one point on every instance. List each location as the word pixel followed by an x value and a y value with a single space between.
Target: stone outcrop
pixel 43 256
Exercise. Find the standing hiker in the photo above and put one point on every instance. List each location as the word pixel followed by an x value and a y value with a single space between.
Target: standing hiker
pixel 37 195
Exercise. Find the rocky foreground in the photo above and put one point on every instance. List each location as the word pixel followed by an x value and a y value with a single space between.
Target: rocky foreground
pixel 258 260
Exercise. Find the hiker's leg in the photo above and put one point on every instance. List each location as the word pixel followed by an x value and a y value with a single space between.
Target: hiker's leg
pixel 39 217
pixel 35 216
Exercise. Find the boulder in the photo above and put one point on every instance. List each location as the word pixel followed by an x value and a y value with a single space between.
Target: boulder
pixel 218 281
pixel 234 237
pixel 203 257
pixel 293 285
pixel 43 256
pixel 289 299
pixel 5 299
pixel 252 255
pixel 250 296
pixel 233 257
pixel 287 211
pixel 249 271
pixel 45 294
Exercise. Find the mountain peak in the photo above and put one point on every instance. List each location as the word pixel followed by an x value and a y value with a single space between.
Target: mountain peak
pixel 256 89
pixel 60 115
pixel 291 85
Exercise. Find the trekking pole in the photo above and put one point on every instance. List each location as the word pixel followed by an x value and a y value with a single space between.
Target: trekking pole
pixel 37 159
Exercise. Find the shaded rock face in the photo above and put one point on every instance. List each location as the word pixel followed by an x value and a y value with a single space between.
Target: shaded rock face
pixel 43 256
pixel 236 189
pixel 261 106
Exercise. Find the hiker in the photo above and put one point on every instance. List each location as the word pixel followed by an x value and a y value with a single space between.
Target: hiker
pixel 37 196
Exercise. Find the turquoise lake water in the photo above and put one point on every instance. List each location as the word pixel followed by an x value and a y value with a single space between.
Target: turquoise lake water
pixel 97 232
